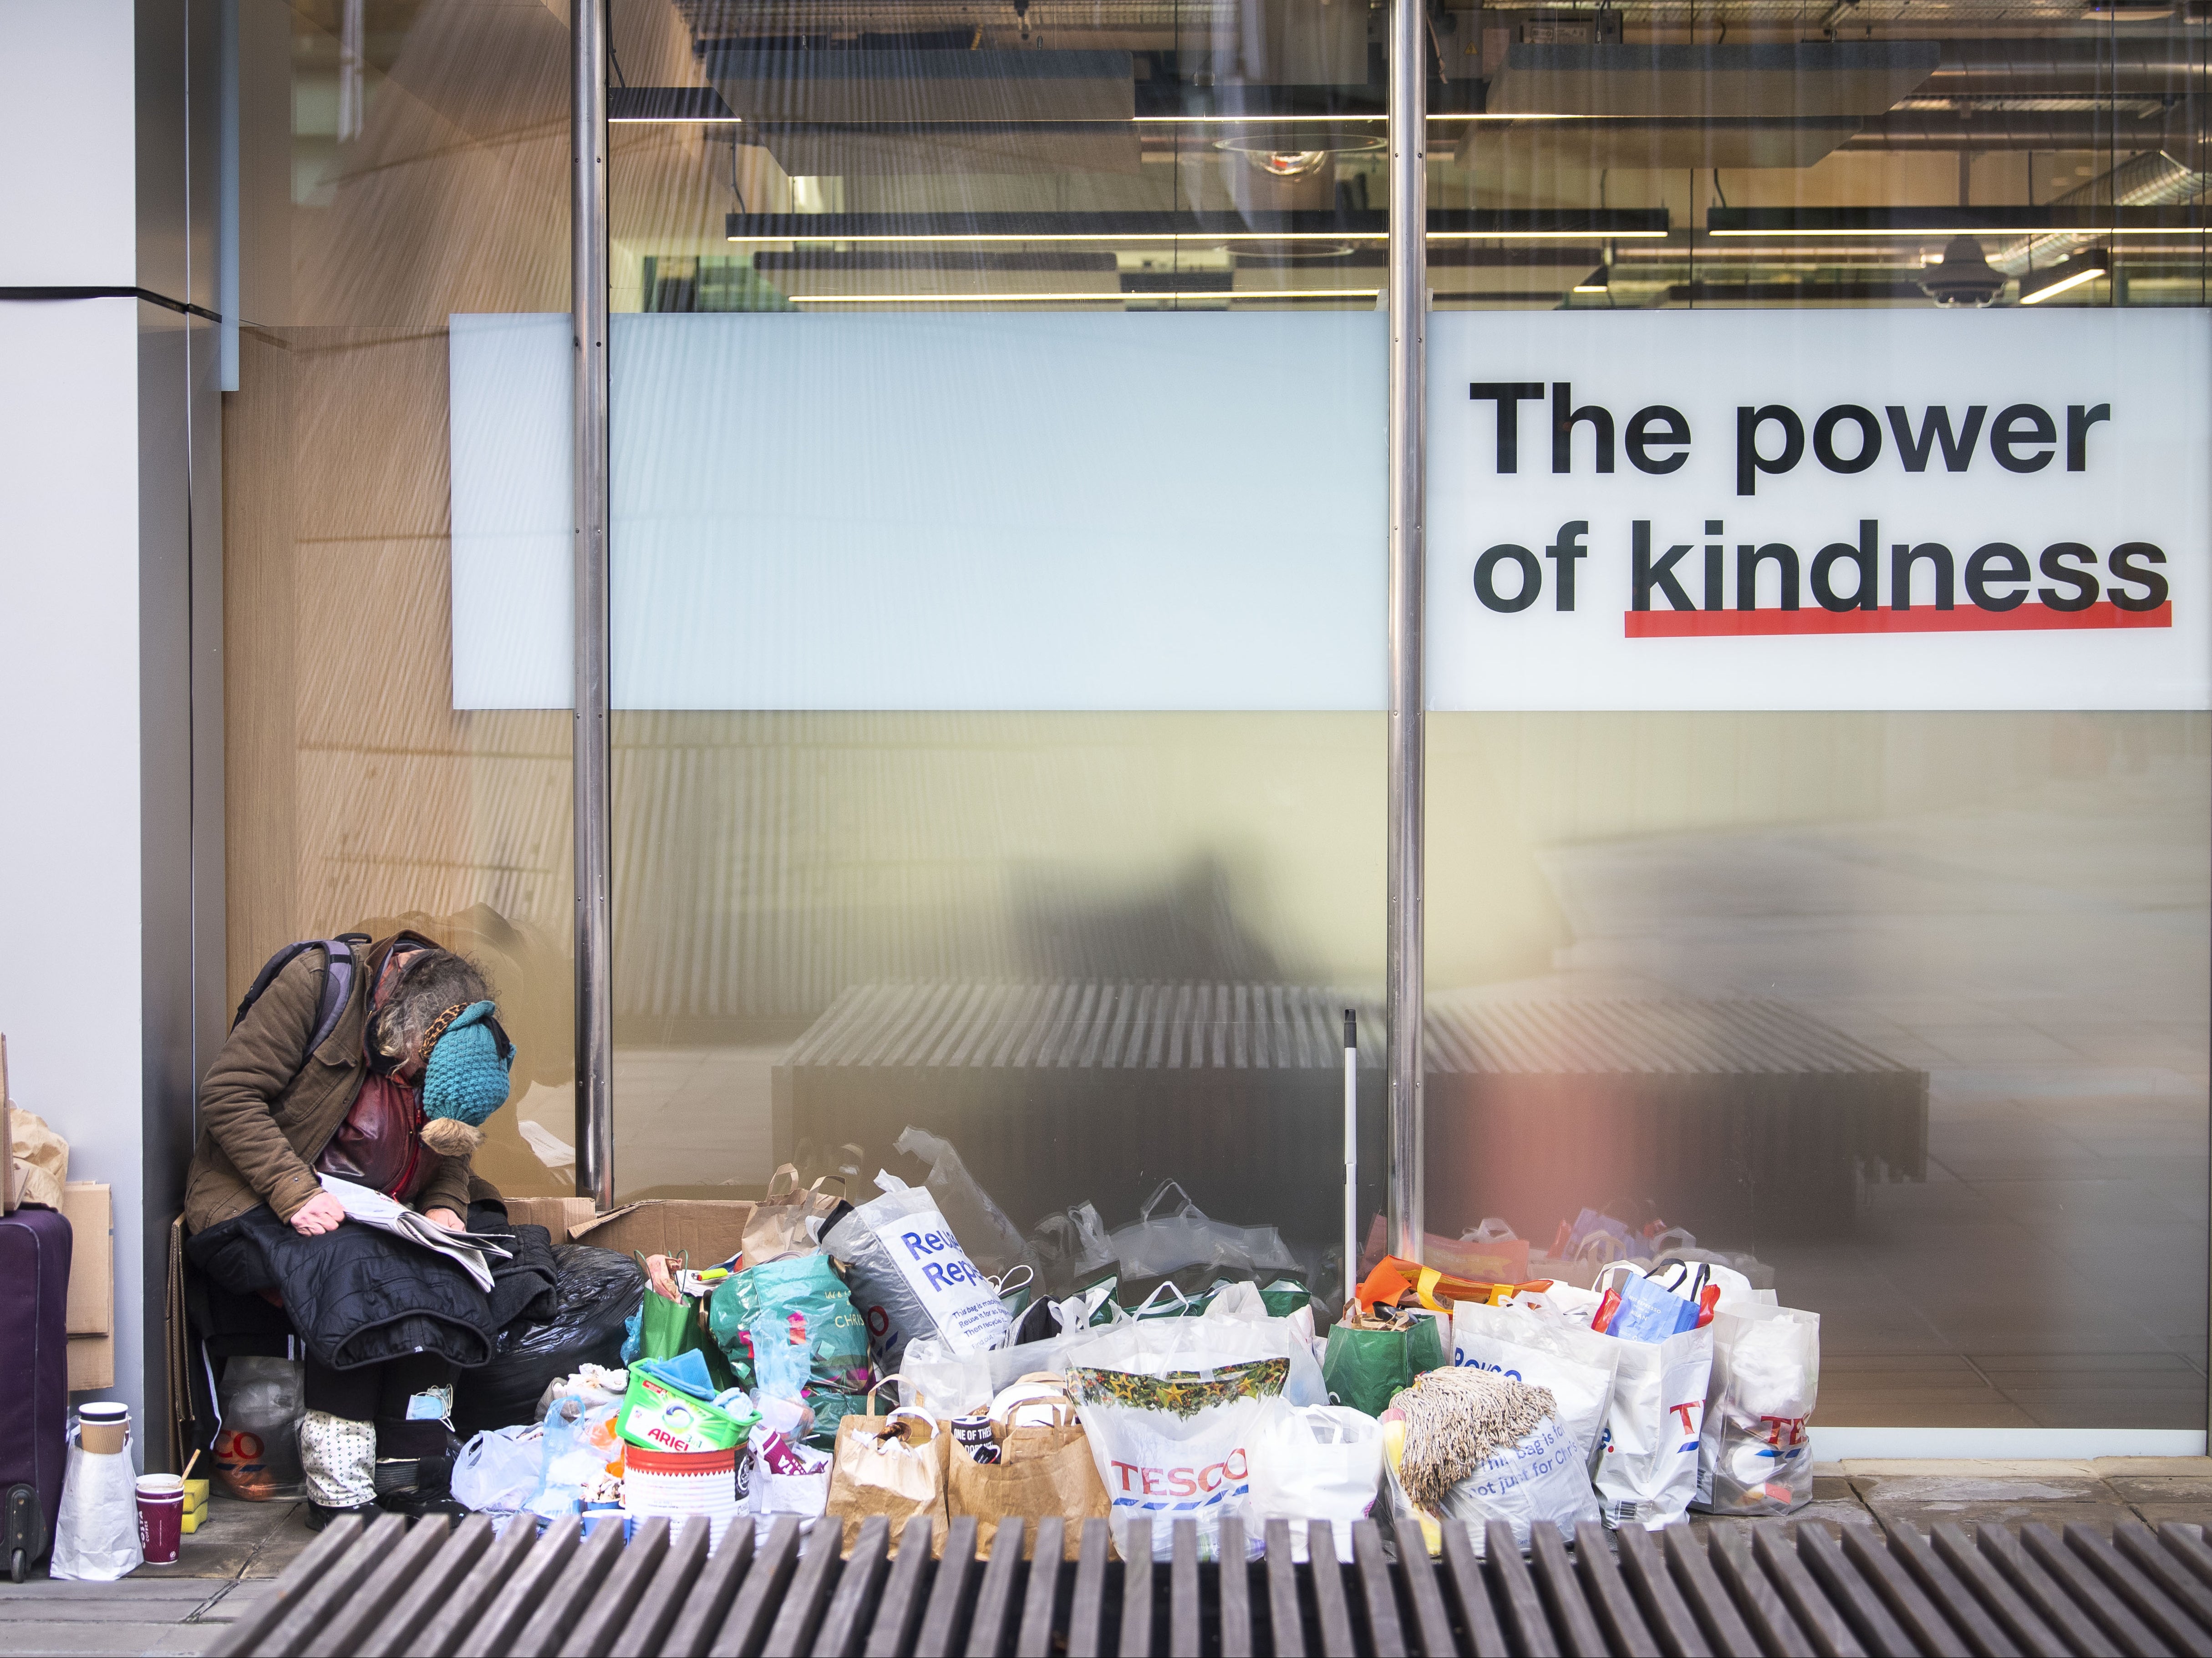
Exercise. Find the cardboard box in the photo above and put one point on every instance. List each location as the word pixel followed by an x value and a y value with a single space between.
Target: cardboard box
pixel 90 1207
pixel 91 1363
pixel 712 1232
pixel 559 1216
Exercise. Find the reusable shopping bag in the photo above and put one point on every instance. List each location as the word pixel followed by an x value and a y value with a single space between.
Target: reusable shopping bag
pixel 669 1328
pixel 1045 1470
pixel 1324 1462
pixel 911 1278
pixel 1754 1447
pixel 1169 1406
pixel 1576 1365
pixel 893 1466
pixel 1363 1367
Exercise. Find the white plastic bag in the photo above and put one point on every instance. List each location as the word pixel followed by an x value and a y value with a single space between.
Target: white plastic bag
pixel 1754 1450
pixel 1169 1406
pixel 1304 1386
pixel 981 1226
pixel 96 1538
pixel 499 1470
pixel 1576 1365
pixel 949 1384
pixel 1320 1463
pixel 1540 1481
pixel 1648 1471
pixel 1154 1245
pixel 911 1277
pixel 779 1477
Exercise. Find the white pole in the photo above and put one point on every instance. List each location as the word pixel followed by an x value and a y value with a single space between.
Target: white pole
pixel 1351 1153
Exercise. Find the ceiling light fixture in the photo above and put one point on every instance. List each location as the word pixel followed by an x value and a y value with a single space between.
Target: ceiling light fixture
pixel 1599 281
pixel 2084 267
pixel 1086 299
pixel 1962 279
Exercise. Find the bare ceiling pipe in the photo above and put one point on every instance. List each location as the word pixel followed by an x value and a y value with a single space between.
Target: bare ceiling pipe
pixel 2152 181
pixel 2151 67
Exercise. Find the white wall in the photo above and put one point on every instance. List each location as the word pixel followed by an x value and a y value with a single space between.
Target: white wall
pixel 70 839
pixel 67 96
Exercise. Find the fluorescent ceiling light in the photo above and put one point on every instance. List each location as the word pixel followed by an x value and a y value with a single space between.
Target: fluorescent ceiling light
pixel 1085 298
pixel 1208 236
pixel 2039 286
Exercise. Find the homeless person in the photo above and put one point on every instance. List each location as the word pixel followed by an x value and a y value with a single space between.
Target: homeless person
pixel 374 1065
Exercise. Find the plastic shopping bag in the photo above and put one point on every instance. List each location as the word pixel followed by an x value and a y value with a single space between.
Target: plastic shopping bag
pixel 259 1403
pixel 911 1278
pixel 580 1442
pixel 1322 1463
pixel 1069 1251
pixel 1754 1451
pixel 1156 1244
pixel 1169 1406
pixel 806 1303
pixel 96 1536
pixel 1576 1365
pixel 1539 1480
pixel 949 1384
pixel 499 1470
pixel 1648 1471
pixel 781 1477
pixel 990 1239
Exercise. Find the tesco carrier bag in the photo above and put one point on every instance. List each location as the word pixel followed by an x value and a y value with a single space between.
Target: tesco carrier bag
pixel 911 1278
pixel 1755 1447
pixel 1647 1472
pixel 1171 1406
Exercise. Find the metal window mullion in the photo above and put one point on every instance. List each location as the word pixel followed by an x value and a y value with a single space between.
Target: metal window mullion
pixel 595 1177
pixel 1408 298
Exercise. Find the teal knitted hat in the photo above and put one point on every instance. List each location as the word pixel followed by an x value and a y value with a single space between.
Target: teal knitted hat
pixel 465 1081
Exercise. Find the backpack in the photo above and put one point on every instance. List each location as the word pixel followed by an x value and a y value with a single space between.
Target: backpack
pixel 338 983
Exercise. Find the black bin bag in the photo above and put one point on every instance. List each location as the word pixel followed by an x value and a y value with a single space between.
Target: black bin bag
pixel 598 1289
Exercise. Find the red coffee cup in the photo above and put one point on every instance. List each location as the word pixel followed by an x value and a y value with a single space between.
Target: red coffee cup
pixel 161 1517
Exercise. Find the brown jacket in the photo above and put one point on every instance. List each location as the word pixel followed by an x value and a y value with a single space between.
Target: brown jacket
pixel 268 1107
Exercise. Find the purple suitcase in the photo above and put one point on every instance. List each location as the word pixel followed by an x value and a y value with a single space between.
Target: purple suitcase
pixel 34 1268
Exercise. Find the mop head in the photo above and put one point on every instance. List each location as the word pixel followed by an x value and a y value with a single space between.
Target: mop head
pixel 1456 1420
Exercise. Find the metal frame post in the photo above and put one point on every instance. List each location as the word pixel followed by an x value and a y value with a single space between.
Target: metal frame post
pixel 1407 287
pixel 588 204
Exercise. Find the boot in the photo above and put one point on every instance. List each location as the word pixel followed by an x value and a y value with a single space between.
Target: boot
pixel 339 1460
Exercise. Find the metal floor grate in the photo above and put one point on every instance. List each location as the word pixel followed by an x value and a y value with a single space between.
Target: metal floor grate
pixel 1771 1588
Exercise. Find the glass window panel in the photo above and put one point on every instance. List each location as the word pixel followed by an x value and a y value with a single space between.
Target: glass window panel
pixel 1910 1005
pixel 402 161
pixel 1026 570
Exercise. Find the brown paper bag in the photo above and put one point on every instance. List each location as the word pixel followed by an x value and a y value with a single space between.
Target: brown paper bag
pixel 1042 1473
pixel 776 1229
pixel 893 1466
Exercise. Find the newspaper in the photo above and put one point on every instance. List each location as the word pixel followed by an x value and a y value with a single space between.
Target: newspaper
pixel 373 1208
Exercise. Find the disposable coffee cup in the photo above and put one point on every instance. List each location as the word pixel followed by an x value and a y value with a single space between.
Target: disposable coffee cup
pixel 104 1428
pixel 161 1517
pixel 974 1435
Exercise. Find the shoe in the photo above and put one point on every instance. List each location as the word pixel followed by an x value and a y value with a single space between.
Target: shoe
pixel 318 1516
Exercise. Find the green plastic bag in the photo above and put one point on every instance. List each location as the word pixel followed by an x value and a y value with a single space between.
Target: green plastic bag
pixel 669 1329
pixel 804 1297
pixel 1363 1367
pixel 1282 1293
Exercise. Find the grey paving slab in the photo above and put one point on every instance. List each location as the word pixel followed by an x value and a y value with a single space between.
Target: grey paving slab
pixel 111 1639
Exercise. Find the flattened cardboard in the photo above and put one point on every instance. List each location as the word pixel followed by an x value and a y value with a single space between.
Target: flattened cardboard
pixel 89 1208
pixel 558 1216
pixel 91 1363
pixel 712 1232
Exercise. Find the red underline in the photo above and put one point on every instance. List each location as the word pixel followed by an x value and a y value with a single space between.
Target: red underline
pixel 2030 617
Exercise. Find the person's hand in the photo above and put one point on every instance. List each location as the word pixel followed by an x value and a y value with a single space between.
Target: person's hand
pixel 657 1274
pixel 319 1214
pixel 447 1218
